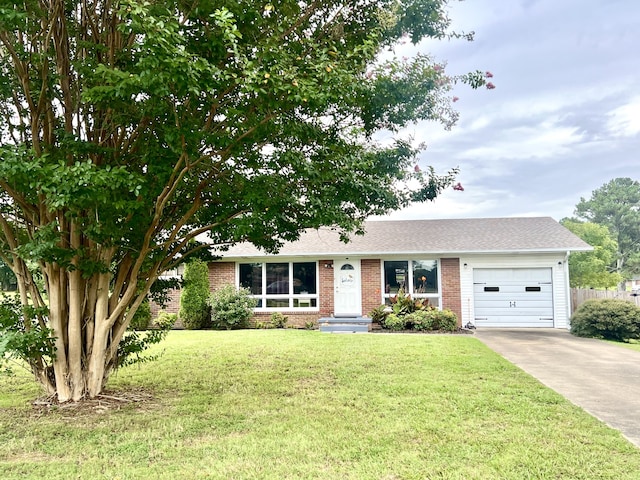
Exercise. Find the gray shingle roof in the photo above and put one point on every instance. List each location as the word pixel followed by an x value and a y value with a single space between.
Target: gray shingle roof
pixel 475 235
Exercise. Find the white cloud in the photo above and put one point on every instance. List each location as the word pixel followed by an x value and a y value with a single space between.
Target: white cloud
pixel 624 121
pixel 563 120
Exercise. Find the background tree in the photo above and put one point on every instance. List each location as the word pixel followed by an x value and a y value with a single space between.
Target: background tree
pixel 593 269
pixel 7 278
pixel 616 205
pixel 129 128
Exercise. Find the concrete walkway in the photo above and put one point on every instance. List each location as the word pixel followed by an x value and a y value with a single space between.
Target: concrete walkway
pixel 601 378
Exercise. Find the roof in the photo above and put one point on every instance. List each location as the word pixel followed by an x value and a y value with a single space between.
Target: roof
pixel 459 236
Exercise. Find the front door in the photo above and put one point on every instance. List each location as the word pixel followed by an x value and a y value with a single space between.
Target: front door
pixel 347 294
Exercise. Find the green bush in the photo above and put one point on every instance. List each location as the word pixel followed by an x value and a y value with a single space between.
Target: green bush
pixel 432 319
pixel 165 320
pixel 142 317
pixel 607 318
pixel 396 322
pixel 444 320
pixel 379 315
pixel 422 320
pixel 194 307
pixel 278 320
pixel 231 308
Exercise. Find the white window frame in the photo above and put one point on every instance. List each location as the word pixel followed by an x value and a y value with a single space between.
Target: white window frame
pixel 292 297
pixel 435 296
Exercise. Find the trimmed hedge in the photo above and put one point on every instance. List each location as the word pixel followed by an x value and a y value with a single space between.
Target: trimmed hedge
pixel 607 318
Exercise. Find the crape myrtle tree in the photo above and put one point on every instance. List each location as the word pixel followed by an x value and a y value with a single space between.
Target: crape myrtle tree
pixel 131 128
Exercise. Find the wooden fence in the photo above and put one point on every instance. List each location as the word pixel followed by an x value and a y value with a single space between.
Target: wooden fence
pixel 580 295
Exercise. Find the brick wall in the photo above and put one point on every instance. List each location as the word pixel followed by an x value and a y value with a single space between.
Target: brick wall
pixel 220 274
pixel 371 281
pixel 172 306
pixel 325 290
pixel 450 275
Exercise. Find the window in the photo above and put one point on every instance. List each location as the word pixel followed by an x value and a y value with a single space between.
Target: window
pixel 281 285
pixel 418 278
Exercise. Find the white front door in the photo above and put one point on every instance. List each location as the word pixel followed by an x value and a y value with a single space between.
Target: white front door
pixel 347 293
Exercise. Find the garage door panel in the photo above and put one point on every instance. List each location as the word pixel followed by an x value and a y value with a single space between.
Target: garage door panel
pixel 519 275
pixel 539 311
pixel 502 321
pixel 513 297
pixel 510 289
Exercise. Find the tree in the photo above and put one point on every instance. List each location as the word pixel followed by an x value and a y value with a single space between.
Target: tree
pixel 131 128
pixel 194 296
pixel 593 269
pixel 616 205
pixel 7 278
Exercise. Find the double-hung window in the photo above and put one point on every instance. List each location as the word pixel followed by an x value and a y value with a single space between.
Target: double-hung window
pixel 418 278
pixel 281 285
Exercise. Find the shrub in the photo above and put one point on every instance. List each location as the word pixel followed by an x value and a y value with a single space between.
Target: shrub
pixel 432 319
pixel 231 308
pixel 421 320
pixel 142 317
pixel 379 315
pixel 396 322
pixel 278 320
pixel 165 320
pixel 606 318
pixel 444 320
pixel 194 309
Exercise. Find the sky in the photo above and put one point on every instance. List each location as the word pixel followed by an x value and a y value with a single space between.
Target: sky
pixel 563 120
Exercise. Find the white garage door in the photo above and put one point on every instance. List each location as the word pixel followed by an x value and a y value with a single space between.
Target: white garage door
pixel 513 297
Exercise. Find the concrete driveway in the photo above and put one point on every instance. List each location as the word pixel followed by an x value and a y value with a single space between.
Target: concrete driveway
pixel 601 378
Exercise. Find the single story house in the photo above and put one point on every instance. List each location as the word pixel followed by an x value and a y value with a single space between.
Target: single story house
pixel 492 272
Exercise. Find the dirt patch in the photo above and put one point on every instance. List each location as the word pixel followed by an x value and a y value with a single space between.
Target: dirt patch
pixel 107 401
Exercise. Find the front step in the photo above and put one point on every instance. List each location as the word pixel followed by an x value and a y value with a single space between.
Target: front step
pixel 345 325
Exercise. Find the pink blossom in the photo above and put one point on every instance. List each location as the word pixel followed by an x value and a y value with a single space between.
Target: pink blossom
pixel 437 68
pixel 416 168
pixel 458 186
pixel 490 86
pixel 488 74
pixel 455 99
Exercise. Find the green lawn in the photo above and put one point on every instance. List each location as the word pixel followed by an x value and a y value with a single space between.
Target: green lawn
pixel 267 404
pixel 631 344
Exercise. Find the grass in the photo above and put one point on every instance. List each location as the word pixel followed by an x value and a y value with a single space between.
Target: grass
pixel 631 344
pixel 303 405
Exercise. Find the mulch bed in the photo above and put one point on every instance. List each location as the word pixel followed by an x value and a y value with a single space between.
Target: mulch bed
pixel 458 331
